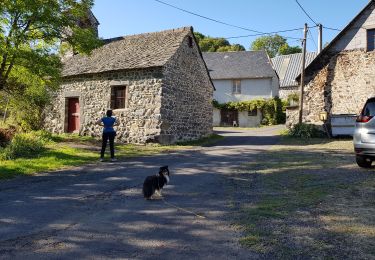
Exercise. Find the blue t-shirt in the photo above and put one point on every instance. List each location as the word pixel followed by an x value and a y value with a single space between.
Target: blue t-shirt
pixel 108 123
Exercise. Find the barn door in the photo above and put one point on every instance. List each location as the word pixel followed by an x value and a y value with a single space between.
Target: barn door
pixel 73 115
pixel 228 117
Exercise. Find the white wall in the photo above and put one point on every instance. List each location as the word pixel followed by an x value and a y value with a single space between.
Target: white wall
pixel 216 117
pixel 250 89
pixel 249 121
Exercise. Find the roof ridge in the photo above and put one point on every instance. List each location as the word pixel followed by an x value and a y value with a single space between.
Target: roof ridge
pixel 224 52
pixel 294 54
pixel 179 29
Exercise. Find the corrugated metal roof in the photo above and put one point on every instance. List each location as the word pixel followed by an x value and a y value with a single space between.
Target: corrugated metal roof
pixel 239 65
pixel 288 67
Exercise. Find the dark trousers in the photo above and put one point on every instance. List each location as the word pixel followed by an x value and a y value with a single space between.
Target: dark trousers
pixel 111 138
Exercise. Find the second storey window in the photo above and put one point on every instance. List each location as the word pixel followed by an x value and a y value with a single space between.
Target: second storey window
pixel 118 97
pixel 236 89
pixel 371 40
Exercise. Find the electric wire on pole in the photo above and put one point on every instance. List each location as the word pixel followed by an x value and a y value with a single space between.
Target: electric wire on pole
pixel 302 74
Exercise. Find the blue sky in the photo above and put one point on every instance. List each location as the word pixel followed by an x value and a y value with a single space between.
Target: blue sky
pixel 124 17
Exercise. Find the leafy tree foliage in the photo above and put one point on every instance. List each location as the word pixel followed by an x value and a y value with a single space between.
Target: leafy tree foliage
pixel 30 35
pixel 286 49
pixel 210 44
pixel 274 45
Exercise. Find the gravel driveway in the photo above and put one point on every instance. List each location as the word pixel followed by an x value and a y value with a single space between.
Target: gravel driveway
pixel 97 211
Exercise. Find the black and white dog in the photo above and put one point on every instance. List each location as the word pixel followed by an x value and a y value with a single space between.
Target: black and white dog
pixel 155 182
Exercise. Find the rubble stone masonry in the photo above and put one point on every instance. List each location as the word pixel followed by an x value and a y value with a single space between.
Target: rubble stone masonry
pixel 340 87
pixel 163 104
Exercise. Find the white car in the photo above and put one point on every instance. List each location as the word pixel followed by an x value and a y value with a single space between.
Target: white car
pixel 364 135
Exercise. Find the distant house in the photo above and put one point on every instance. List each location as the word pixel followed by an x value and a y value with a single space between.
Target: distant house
pixel 342 76
pixel 156 83
pixel 240 76
pixel 288 67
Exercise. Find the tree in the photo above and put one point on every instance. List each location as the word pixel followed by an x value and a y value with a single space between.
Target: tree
pixel 210 44
pixel 30 32
pixel 30 35
pixel 286 49
pixel 274 45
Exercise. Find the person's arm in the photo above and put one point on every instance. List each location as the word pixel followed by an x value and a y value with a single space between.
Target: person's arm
pixel 99 122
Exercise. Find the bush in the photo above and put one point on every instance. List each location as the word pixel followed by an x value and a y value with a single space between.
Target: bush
pixel 26 145
pixel 273 110
pixel 305 131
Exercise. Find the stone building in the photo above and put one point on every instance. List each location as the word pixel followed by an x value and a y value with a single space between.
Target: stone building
pixel 342 76
pixel 241 76
pixel 156 83
pixel 288 67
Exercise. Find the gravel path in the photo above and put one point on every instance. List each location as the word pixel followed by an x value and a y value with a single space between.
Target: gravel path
pixel 97 211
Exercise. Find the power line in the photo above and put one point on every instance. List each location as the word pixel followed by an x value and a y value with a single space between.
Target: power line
pixel 306 13
pixel 258 34
pixel 312 38
pixel 218 21
pixel 207 18
pixel 333 29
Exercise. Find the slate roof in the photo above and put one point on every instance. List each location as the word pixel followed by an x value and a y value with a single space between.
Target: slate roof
pixel 128 52
pixel 288 67
pixel 238 65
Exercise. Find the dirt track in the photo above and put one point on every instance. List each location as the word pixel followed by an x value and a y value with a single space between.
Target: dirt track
pixel 97 211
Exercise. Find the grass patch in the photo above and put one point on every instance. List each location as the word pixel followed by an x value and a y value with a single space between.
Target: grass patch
pixel 289 188
pixel 54 157
pixel 203 141
pixel 67 150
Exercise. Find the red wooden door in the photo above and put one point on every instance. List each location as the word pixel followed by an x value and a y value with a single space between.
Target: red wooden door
pixel 73 115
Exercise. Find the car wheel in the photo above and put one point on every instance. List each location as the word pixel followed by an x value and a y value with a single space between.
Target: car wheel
pixel 363 162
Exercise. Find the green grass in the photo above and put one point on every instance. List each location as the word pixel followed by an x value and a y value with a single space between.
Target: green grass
pixel 55 157
pixel 68 150
pixel 203 141
pixel 291 188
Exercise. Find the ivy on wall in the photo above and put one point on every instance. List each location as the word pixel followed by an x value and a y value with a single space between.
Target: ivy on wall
pixel 273 110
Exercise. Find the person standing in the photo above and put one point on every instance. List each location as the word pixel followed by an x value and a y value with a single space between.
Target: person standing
pixel 109 133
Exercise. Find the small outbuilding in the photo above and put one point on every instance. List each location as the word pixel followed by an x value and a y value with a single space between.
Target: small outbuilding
pixel 156 83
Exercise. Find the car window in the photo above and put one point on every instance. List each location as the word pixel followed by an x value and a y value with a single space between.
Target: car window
pixel 369 109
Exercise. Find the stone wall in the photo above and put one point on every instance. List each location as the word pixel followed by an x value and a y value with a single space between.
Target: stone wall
pixel 284 92
pixel 341 87
pixel 186 111
pixel 139 122
pixel 165 105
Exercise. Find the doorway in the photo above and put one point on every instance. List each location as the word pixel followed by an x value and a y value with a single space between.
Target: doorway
pixel 73 115
pixel 228 117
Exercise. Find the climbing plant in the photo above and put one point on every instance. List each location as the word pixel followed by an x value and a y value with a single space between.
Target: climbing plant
pixel 273 110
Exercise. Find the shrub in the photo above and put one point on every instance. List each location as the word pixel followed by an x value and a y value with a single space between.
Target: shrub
pixel 273 110
pixel 305 131
pixel 25 145
pixel 293 98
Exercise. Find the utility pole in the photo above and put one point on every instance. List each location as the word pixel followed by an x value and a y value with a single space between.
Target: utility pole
pixel 302 74
pixel 320 37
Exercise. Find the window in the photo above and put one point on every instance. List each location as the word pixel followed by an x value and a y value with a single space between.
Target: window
pixel 371 40
pixel 369 109
pixel 236 87
pixel 118 97
pixel 253 112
